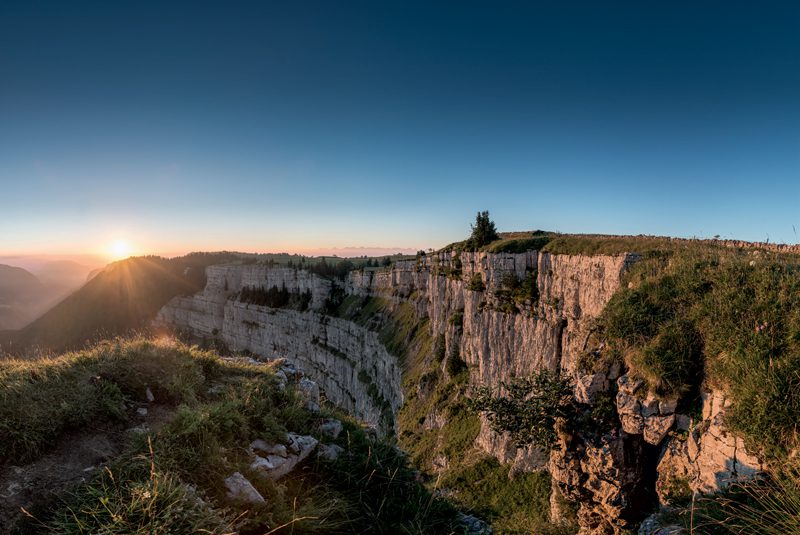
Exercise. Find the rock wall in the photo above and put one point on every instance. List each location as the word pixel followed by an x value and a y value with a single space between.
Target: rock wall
pixel 548 333
pixel 348 361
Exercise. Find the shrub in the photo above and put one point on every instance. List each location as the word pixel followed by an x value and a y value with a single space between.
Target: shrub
pixel 455 365
pixel 514 292
pixel 457 319
pixel 529 409
pixel 483 231
pixel 476 283
pixel 440 348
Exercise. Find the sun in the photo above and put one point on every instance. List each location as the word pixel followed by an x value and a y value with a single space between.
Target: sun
pixel 120 249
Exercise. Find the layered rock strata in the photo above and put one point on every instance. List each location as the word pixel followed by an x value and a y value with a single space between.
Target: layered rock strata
pixel 347 361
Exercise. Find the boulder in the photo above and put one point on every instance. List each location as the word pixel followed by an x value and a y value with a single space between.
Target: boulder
pixel 588 386
pixel 632 423
pixel 260 445
pixel 331 427
pixel 240 489
pixel 329 452
pixel 310 392
pixel 652 525
pixel 657 427
pixel 628 384
pixel 279 461
pixel 474 525
pixel 280 375
pixel 650 406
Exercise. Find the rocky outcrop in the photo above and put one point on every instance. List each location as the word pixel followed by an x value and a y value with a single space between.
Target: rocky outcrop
pixel 707 457
pixel 650 417
pixel 277 460
pixel 240 489
pixel 605 475
pixel 655 456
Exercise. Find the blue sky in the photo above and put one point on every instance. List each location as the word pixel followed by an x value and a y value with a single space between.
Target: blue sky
pixel 306 125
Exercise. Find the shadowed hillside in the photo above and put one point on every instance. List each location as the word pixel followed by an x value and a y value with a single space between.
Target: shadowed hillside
pixel 123 297
pixel 20 290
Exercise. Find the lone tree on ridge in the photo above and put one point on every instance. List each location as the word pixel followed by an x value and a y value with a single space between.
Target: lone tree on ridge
pixel 483 231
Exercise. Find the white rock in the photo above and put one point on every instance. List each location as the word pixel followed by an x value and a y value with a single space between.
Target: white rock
pixel 149 394
pixel 276 466
pixel 329 452
pixel 282 379
pixel 262 463
pixel 650 406
pixel 667 406
pixel 301 444
pixel 682 422
pixel 628 404
pixel 474 525
pixel 588 386
pixel 239 488
pixel 632 423
pixel 141 411
pixel 331 427
pixel 657 427
pixel 310 391
pixel 269 449
pixel 628 384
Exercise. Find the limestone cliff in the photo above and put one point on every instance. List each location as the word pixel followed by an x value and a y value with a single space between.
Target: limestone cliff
pixel 348 362
pixel 505 315
pixel 549 331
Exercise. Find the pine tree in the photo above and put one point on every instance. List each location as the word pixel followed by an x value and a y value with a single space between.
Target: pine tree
pixel 483 231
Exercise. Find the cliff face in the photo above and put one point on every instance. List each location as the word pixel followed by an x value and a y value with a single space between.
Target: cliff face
pixel 505 316
pixel 348 362
pixel 547 332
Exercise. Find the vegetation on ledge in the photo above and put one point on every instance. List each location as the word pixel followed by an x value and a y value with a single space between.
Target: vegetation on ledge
pixel 688 319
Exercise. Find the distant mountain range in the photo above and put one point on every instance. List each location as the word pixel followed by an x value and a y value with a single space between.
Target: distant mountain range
pixel 21 293
pixel 123 297
pixel 30 286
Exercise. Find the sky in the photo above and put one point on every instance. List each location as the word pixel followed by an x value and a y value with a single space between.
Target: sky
pixel 167 127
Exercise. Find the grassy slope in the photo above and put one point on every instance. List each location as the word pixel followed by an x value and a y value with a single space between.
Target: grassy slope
pixel 699 317
pixel 691 318
pixel 150 487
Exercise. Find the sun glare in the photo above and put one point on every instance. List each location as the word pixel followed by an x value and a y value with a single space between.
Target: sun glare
pixel 120 249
